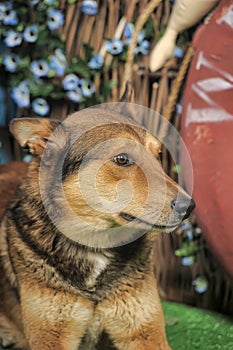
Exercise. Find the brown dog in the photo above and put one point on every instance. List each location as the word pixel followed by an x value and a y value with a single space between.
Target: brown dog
pixel 77 269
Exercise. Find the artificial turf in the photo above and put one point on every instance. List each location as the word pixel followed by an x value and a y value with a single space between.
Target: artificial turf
pixel 189 328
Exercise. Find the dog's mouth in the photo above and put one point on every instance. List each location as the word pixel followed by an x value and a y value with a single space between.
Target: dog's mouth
pixel 130 218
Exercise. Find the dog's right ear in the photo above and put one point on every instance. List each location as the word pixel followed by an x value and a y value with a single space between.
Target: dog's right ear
pixel 33 132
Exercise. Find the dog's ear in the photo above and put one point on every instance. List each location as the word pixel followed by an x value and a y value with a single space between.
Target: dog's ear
pixel 33 132
pixel 128 94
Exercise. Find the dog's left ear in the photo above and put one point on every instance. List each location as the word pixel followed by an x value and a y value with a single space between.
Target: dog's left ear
pixel 33 132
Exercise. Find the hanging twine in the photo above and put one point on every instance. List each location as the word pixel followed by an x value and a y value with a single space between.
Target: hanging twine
pixel 174 93
pixel 177 84
pixel 150 7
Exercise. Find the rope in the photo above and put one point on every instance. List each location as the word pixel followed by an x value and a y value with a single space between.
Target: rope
pixel 175 90
pixel 176 86
pixel 138 27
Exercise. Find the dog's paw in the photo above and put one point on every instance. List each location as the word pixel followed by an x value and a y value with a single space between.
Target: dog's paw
pixel 6 342
pixel 10 336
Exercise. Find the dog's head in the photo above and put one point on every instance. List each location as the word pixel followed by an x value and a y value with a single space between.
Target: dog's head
pixel 101 180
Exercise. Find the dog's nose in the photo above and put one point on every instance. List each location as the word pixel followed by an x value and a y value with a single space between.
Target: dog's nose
pixel 183 208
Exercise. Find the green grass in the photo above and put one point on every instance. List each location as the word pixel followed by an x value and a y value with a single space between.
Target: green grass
pixel 190 328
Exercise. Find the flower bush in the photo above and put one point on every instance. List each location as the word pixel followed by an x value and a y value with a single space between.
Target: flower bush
pixel 192 246
pixel 35 65
pixel 33 59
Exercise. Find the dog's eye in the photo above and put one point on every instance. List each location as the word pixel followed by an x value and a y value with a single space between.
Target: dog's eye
pixel 160 156
pixel 123 159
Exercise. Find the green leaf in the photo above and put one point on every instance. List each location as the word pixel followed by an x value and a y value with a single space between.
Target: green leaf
pixel 187 249
pixel 43 90
pixel 79 67
pixel 123 56
pixel 3 31
pixel 57 95
pixel 149 29
pixel 43 38
pixel 55 4
pixel 15 80
pixel 22 10
pixel 88 51
pixel 177 169
pixel 20 27
pixel 51 73
pixel 24 62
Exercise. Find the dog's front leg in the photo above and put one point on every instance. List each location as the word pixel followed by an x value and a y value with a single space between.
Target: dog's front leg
pixel 53 320
pixel 146 338
pixel 134 318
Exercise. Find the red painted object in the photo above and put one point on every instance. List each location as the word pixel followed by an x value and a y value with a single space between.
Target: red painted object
pixel 207 130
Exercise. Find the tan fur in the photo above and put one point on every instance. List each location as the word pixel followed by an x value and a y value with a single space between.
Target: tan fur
pixel 56 294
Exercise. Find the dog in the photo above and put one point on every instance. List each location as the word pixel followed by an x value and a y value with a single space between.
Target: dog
pixel 78 273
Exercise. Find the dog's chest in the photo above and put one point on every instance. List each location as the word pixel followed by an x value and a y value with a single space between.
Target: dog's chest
pixel 98 263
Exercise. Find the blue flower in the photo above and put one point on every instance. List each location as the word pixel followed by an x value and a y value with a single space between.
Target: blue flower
pixel 21 96
pixel 141 36
pixel 90 7
pixel 58 62
pixel 30 33
pixel 40 106
pixel 200 284
pixel 115 47
pixel 178 52
pixel 198 231
pixel 10 18
pixel 142 47
pixel 96 62
pixel 87 87
pixel 39 68
pixel 34 2
pixel 75 95
pixel 185 226
pixel 55 19
pixel 5 9
pixel 179 108
pixel 27 158
pixel 70 82
pixel 11 62
pixel 13 39
pixel 189 234
pixel 2 10
pixel 129 30
pixel 188 260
